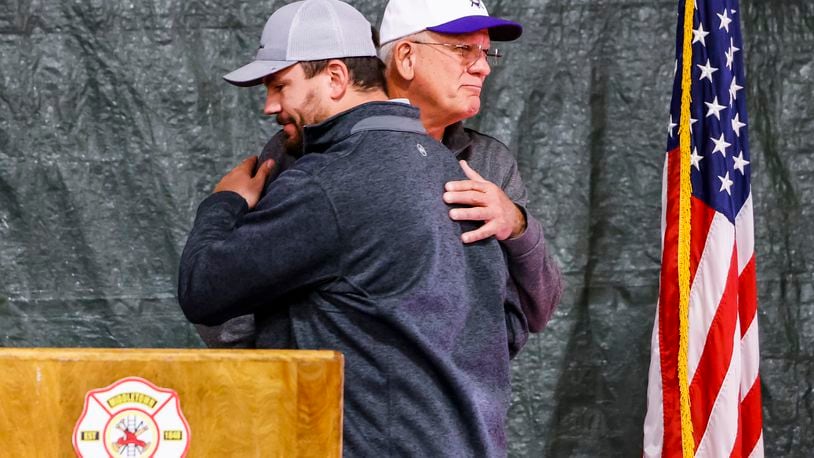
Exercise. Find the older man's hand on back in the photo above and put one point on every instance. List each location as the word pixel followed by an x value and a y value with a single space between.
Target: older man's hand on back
pixel 243 181
pixel 488 203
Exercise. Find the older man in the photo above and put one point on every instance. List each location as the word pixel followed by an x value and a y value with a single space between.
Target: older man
pixel 437 56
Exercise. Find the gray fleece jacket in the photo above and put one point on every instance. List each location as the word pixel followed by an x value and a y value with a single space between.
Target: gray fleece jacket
pixel 355 239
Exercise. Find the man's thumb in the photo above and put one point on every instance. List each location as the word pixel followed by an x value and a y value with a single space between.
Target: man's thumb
pixel 265 169
pixel 470 172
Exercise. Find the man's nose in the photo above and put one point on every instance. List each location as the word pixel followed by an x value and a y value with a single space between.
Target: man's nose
pixel 480 67
pixel 272 105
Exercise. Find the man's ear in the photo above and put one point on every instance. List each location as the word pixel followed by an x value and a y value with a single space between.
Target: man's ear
pixel 404 59
pixel 338 78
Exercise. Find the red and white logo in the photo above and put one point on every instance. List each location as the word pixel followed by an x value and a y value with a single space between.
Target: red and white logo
pixel 131 418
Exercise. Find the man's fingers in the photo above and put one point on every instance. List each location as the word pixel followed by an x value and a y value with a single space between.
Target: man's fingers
pixel 465 185
pixel 470 172
pixel 471 198
pixel 478 234
pixel 248 164
pixel 245 181
pixel 470 214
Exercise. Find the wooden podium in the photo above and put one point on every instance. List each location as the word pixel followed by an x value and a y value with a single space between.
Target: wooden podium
pixel 236 403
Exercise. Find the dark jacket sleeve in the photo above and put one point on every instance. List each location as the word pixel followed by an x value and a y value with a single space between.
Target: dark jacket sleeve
pixel 236 262
pixel 240 332
pixel 534 272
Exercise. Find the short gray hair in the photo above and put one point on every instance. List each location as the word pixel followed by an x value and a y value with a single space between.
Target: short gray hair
pixel 386 49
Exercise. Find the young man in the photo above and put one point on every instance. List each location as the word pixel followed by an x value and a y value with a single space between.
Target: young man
pixel 354 241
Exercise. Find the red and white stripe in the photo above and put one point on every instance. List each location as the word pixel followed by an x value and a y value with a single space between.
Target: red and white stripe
pixel 723 358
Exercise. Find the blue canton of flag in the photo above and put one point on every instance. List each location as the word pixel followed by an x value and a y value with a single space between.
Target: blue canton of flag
pixel 720 143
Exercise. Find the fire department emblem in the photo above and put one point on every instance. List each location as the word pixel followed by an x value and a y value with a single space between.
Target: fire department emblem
pixel 131 418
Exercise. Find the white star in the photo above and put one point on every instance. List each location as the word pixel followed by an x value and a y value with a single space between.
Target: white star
pixel 725 20
pixel 713 109
pixel 726 184
pixel 732 47
pixel 737 124
pixel 706 71
pixel 720 145
pixel 696 159
pixel 733 91
pixel 740 163
pixel 730 54
pixel 670 127
pixel 693 121
pixel 730 57
pixel 699 34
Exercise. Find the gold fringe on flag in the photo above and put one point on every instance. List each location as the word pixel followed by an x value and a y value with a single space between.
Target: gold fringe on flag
pixel 684 231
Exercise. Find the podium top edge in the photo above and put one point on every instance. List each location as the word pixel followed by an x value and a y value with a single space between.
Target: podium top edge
pixel 167 353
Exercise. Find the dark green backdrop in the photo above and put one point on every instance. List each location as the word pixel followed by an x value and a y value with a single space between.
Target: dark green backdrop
pixel 114 124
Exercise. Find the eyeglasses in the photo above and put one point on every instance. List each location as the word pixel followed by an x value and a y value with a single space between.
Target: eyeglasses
pixel 469 53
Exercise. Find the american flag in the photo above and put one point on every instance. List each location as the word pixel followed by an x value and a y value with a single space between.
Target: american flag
pixel 704 353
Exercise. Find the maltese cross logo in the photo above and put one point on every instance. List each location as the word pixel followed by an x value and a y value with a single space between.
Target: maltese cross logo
pixel 132 418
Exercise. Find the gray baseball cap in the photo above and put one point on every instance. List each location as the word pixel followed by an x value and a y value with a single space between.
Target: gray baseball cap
pixel 303 31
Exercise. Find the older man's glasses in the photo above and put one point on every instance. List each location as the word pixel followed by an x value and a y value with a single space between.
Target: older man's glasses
pixel 469 53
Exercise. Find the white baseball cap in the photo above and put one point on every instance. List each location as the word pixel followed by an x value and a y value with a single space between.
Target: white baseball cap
pixel 406 17
pixel 303 31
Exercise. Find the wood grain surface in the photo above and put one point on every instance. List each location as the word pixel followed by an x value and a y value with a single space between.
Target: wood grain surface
pixel 238 403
